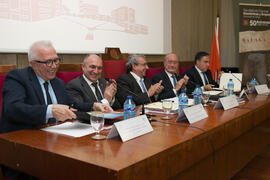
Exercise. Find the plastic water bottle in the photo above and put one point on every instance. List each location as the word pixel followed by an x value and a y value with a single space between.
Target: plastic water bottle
pixel 182 101
pixel 197 95
pixel 129 108
pixel 230 87
pixel 253 82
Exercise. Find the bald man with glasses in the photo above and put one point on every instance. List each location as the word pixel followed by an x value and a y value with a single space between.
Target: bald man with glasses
pixel 171 80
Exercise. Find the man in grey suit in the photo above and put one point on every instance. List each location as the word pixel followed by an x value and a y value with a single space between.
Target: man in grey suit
pixel 90 87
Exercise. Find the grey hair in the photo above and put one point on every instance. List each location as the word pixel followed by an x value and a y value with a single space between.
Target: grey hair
pixel 88 55
pixel 133 59
pixel 32 53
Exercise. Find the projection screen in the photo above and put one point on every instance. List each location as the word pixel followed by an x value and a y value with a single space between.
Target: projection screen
pixel 83 26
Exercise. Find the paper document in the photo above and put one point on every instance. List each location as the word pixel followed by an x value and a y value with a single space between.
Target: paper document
pixel 157 106
pixel 212 93
pixel 74 129
pixel 237 81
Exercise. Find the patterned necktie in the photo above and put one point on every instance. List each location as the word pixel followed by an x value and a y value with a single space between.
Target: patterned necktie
pixel 174 80
pixel 46 86
pixel 143 86
pixel 98 94
pixel 205 78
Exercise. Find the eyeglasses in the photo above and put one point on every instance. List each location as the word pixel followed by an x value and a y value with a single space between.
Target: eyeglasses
pixel 172 62
pixel 144 64
pixel 49 62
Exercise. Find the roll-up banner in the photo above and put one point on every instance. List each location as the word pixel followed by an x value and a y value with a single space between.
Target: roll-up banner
pixel 254 41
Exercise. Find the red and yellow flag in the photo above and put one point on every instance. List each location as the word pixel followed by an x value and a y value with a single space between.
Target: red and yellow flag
pixel 215 66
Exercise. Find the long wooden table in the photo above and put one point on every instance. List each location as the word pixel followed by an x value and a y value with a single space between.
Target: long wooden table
pixel 227 141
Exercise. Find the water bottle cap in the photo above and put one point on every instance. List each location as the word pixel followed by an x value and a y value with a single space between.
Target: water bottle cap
pixel 197 85
pixel 183 91
pixel 129 97
pixel 230 79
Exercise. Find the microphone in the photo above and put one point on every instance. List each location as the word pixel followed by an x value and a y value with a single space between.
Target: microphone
pixel 236 77
pixel 143 109
pixel 243 91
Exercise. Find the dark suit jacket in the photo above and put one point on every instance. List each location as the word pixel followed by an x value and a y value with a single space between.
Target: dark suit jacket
pixel 79 91
pixel 126 83
pixel 23 101
pixel 195 78
pixel 166 83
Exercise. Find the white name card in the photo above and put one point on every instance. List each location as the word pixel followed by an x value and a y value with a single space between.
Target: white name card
pixel 226 102
pixel 261 89
pixel 131 128
pixel 243 92
pixel 193 114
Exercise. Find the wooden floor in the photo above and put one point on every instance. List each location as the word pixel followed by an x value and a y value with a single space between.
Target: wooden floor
pixel 257 169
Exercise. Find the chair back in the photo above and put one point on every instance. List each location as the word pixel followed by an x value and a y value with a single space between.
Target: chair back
pixel 151 72
pixel 114 68
pixel 67 72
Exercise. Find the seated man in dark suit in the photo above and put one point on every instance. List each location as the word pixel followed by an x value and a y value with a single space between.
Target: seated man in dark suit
pixel 135 81
pixel 171 81
pixel 90 87
pixel 200 74
pixel 34 96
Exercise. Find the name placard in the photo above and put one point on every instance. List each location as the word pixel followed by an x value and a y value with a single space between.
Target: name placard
pixel 226 102
pixel 193 114
pixel 130 128
pixel 261 89
pixel 243 92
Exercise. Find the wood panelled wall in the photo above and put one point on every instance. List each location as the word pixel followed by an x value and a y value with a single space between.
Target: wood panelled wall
pixel 192 27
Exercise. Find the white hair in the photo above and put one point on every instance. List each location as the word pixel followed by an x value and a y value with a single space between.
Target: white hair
pixel 32 53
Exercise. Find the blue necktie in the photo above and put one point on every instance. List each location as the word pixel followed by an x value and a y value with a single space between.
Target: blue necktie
pixel 143 86
pixel 174 80
pixel 205 78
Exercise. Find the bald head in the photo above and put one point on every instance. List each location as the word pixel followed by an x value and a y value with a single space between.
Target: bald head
pixel 171 63
pixel 92 67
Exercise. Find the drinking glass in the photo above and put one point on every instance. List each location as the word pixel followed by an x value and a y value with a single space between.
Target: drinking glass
pixel 97 122
pixel 205 98
pixel 249 87
pixel 166 106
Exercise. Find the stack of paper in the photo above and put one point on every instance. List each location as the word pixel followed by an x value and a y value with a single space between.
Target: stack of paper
pixel 157 106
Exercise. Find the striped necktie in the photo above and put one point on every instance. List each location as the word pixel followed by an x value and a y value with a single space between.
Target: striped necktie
pixel 143 86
